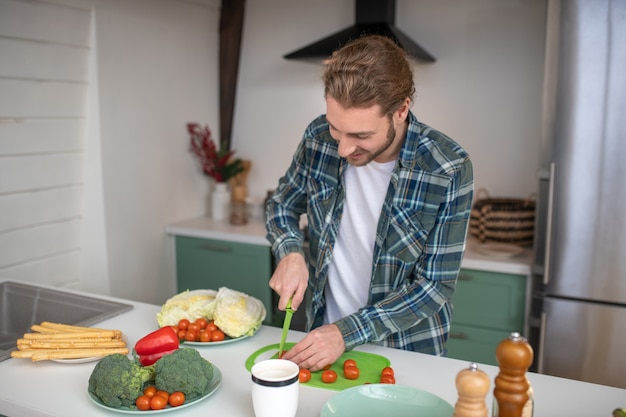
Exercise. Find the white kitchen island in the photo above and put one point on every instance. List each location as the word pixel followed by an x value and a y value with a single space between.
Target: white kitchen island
pixel 60 389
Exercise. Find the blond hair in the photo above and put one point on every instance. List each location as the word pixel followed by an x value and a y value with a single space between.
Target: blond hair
pixel 367 71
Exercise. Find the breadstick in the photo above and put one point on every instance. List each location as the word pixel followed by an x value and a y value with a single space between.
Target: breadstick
pixel 23 344
pixel 38 328
pixel 68 328
pixel 29 341
pixel 110 334
pixel 76 353
pixel 65 341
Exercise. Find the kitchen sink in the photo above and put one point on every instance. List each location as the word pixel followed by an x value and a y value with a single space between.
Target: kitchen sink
pixel 22 305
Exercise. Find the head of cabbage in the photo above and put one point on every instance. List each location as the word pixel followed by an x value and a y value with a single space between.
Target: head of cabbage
pixel 235 313
pixel 189 305
pixel 238 314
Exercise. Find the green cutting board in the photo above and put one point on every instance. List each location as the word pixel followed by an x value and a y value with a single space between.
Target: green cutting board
pixel 370 365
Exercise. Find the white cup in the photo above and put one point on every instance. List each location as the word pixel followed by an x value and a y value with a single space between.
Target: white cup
pixel 275 388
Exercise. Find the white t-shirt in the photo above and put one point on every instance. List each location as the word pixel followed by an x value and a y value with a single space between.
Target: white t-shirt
pixel 350 271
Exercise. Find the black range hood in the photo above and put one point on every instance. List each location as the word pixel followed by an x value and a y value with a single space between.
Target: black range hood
pixel 373 17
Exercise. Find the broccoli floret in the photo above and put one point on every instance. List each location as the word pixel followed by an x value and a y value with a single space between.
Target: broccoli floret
pixel 183 370
pixel 117 380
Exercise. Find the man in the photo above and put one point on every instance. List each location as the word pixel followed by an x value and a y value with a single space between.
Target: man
pixel 387 200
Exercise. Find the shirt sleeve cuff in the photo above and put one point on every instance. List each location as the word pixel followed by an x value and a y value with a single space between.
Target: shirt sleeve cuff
pixel 286 247
pixel 354 330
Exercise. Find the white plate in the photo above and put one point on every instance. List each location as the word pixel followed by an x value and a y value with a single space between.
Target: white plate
pixel 376 400
pixel 499 250
pixel 209 344
pixel 214 384
pixel 78 360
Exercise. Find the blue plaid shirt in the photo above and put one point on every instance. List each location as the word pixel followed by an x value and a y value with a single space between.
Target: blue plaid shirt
pixel 420 238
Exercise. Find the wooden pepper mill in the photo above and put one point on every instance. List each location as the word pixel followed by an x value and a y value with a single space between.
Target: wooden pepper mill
pixel 472 385
pixel 514 356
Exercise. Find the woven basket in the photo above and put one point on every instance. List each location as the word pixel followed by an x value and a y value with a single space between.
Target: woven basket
pixel 505 220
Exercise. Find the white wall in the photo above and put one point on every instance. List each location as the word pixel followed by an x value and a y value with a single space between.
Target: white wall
pixel 44 83
pixel 157 71
pixel 94 157
pixel 154 68
pixel 484 90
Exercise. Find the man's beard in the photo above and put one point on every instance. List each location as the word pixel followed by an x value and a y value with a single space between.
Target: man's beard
pixel 370 156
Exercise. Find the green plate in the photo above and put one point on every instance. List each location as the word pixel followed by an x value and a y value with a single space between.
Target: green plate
pixel 370 365
pixel 214 384
pixel 386 400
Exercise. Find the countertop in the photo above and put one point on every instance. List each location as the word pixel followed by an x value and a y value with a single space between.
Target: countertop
pixel 254 233
pixel 55 389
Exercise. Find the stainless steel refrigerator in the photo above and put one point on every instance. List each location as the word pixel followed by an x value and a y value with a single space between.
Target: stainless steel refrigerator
pixel 578 312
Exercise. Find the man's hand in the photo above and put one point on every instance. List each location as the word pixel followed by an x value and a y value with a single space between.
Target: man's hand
pixel 321 347
pixel 290 279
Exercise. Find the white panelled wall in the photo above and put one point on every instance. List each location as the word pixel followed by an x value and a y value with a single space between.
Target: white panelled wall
pixel 95 96
pixel 94 160
pixel 43 94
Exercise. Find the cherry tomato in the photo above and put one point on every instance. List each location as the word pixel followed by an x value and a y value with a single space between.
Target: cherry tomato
pixel 158 402
pixel 387 379
pixel 177 398
pixel 205 335
pixel 351 372
pixel 183 324
pixel 387 371
pixel 143 402
pixel 193 327
pixel 211 326
pixel 191 336
pixel 163 394
pixel 327 367
pixel 201 322
pixel 349 362
pixel 329 376
pixel 149 391
pixel 217 336
pixel 181 334
pixel 304 375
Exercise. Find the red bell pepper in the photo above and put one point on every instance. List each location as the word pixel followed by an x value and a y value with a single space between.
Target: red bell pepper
pixel 146 360
pixel 153 346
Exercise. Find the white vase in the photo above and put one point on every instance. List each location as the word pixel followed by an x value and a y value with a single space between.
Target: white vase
pixel 220 201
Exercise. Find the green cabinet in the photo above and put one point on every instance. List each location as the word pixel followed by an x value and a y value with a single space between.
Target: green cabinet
pixel 210 264
pixel 487 307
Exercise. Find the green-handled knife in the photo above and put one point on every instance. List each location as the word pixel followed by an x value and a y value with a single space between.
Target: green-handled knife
pixel 286 324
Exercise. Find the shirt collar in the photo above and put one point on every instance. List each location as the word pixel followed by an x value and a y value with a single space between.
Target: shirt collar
pixel 412 139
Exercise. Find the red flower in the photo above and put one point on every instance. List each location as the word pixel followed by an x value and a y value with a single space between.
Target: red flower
pixel 216 164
